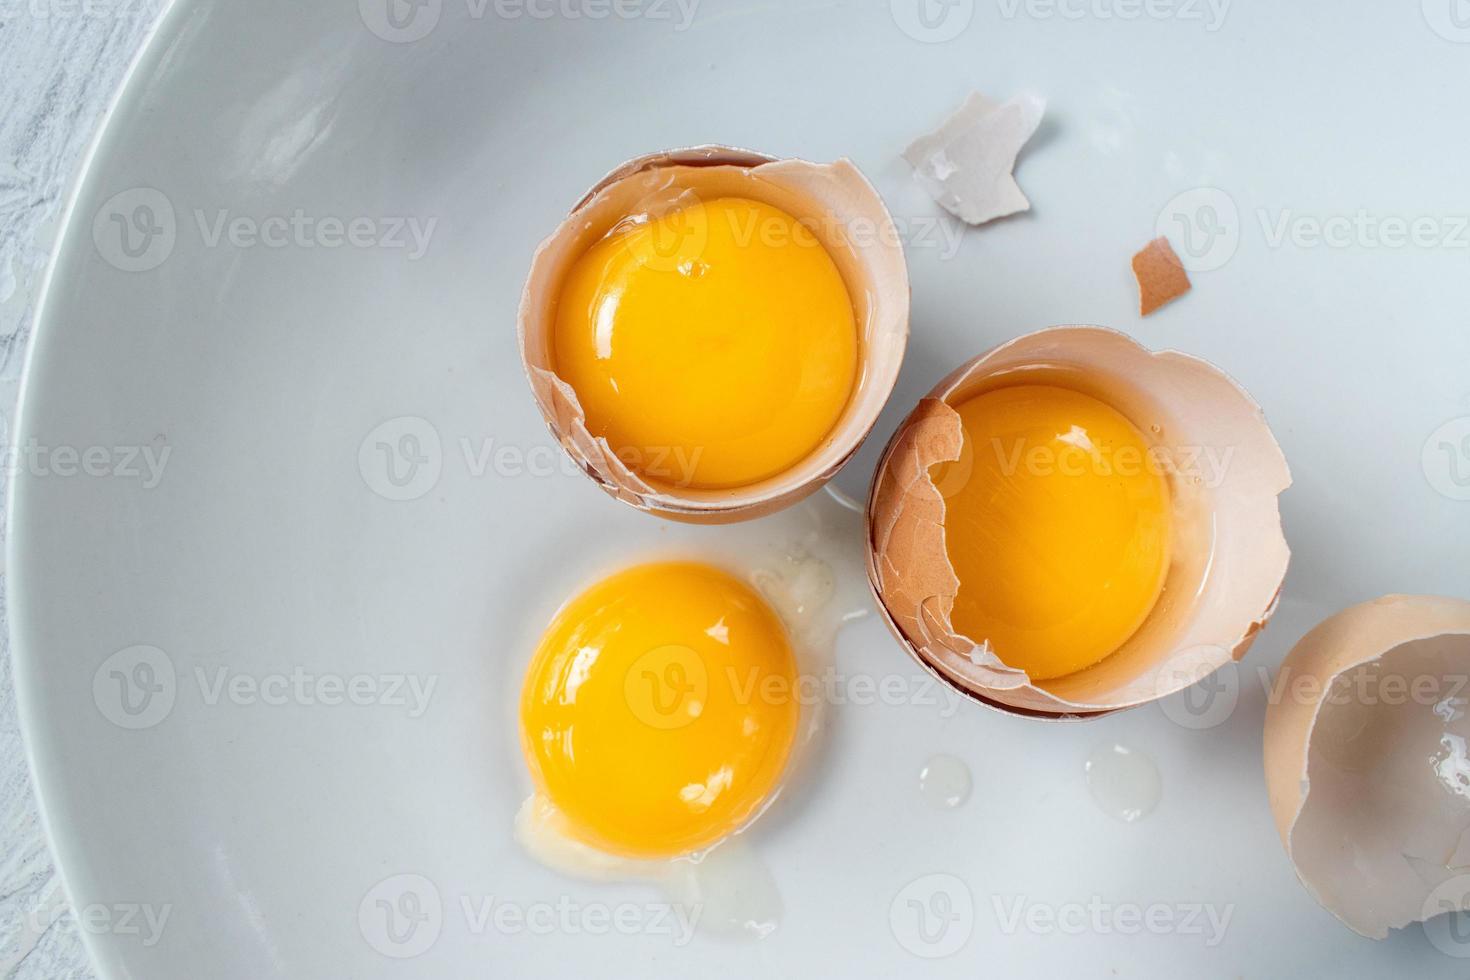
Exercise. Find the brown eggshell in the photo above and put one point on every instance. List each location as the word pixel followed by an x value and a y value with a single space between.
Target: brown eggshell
pixel 1160 274
pixel 847 216
pixel 1363 810
pixel 1230 555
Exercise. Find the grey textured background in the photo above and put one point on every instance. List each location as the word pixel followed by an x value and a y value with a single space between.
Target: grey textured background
pixel 60 63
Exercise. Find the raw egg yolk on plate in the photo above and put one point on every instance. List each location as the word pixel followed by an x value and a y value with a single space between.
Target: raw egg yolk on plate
pixel 659 711
pixel 713 347
pixel 1057 524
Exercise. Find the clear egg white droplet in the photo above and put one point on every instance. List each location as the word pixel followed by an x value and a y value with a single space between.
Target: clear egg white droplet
pixel 945 782
pixel 731 890
pixel 1125 783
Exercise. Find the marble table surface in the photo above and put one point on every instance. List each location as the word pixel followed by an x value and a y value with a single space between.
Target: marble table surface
pixel 61 61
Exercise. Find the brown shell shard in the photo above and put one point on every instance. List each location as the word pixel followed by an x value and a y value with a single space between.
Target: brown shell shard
pixel 908 521
pixel 1160 274
pixel 595 456
pixel 908 562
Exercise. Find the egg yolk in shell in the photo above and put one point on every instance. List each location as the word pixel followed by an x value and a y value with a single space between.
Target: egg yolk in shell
pixel 659 711
pixel 1057 524
pixel 712 347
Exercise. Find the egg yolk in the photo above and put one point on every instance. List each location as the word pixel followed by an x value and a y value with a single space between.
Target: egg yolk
pixel 659 711
pixel 1057 524
pixel 712 347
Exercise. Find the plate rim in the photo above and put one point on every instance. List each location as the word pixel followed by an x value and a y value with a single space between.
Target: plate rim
pixel 166 27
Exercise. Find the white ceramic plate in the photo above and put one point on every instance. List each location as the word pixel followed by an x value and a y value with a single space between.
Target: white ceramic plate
pixel 270 546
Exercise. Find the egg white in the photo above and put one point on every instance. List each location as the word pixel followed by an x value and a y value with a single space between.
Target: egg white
pixel 807 562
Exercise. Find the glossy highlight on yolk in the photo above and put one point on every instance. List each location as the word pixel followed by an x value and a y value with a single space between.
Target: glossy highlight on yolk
pixel 712 347
pixel 1057 524
pixel 656 714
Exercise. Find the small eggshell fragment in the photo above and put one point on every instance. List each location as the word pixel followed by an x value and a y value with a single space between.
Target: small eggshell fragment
pixel 1366 761
pixel 1226 472
pixel 966 163
pixel 836 202
pixel 1160 274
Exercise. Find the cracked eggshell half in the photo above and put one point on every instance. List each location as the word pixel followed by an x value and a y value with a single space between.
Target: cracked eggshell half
pixel 1228 558
pixel 1366 761
pixel 847 216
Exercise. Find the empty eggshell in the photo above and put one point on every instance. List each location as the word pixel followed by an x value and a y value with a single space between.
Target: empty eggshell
pixel 845 213
pixel 1225 470
pixel 1366 761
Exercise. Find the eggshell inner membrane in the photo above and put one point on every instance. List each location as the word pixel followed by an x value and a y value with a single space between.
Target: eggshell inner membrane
pixel 1367 751
pixel 1386 818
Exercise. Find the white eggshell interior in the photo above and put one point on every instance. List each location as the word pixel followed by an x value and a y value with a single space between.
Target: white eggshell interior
pixel 1387 809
